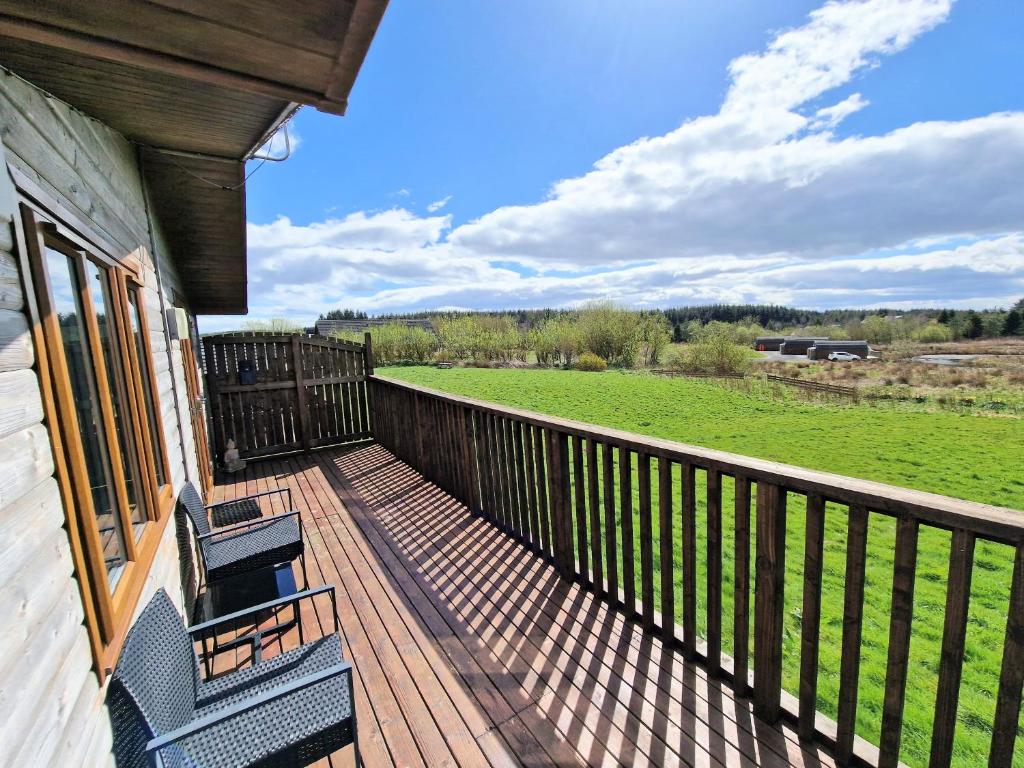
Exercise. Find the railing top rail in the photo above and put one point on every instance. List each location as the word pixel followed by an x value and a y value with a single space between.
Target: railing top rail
pixel 1001 524
pixel 270 338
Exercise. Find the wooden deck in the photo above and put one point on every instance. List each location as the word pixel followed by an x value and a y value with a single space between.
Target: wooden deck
pixel 470 650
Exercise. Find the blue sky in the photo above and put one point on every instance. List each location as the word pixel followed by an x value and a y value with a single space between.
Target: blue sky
pixel 545 153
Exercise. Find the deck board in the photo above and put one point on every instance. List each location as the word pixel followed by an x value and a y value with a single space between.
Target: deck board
pixel 470 650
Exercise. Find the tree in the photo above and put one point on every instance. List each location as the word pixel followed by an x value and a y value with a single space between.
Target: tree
pixel 974 327
pixel 1019 306
pixel 343 314
pixel 876 329
pixel 944 317
pixel 992 324
pixel 1014 322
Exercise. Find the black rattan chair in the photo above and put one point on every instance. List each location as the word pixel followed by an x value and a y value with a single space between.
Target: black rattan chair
pixel 243 547
pixel 289 710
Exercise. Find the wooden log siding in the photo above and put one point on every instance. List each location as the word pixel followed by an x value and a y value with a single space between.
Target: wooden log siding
pixel 309 392
pixel 571 488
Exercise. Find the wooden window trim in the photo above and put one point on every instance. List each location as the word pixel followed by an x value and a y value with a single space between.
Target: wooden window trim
pixel 107 615
pixel 165 493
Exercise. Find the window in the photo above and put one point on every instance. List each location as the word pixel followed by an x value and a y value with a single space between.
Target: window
pixel 89 318
pixel 141 351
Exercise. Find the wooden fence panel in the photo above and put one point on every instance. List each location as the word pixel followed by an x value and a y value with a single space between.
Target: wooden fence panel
pixel 274 393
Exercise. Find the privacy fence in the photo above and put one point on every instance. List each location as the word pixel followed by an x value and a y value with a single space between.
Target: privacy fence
pixel 650 524
pixel 277 393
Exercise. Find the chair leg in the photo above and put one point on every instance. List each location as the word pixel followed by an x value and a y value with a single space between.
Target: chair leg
pixel 305 575
pixel 356 757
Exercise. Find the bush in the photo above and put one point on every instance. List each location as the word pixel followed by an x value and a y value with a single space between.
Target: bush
pixel 933 333
pixel 397 342
pixel 653 334
pixel 481 338
pixel 590 362
pixel 610 332
pixel 714 351
pixel 557 342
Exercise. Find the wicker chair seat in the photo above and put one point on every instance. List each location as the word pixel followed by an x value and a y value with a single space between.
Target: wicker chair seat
pixel 269 673
pixel 294 730
pixel 156 689
pixel 261 545
pixel 233 512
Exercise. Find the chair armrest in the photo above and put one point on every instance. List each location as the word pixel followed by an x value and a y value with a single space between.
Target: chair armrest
pixel 286 600
pixel 253 496
pixel 250 524
pixel 254 702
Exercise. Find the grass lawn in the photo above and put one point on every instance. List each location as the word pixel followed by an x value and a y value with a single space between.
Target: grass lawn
pixel 971 457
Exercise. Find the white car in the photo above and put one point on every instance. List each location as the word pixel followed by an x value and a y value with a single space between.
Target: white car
pixel 843 356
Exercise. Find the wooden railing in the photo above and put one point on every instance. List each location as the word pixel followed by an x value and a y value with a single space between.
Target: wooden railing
pixel 814 386
pixel 566 490
pixel 273 393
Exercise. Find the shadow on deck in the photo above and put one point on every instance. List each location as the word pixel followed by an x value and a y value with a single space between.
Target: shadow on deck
pixel 471 650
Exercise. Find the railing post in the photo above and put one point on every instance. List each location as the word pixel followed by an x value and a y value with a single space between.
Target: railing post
pixel 770 571
pixel 368 372
pixel 1011 677
pixel 368 353
pixel 300 392
pixel 559 493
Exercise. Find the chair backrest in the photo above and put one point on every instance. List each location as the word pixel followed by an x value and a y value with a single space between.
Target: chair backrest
pixel 193 503
pixel 157 671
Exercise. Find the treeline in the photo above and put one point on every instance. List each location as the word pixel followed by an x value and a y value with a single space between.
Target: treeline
pixel 626 338
pixel 875 325
pixel 599 334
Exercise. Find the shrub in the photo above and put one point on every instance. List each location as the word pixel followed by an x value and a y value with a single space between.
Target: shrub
pixel 481 337
pixel 398 342
pixel 714 351
pixel 933 333
pixel 557 342
pixel 590 362
pixel 653 334
pixel 610 332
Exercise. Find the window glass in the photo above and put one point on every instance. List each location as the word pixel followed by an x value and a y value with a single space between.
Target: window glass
pixel 147 390
pixel 99 291
pixel 75 341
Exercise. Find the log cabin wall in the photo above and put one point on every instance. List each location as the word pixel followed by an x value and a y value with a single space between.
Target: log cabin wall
pixel 50 692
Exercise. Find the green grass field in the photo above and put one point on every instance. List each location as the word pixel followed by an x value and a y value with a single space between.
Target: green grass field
pixel 972 457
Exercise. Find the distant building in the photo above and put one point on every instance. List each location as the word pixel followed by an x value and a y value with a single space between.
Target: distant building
pixel 331 327
pixel 821 349
pixel 798 345
pixel 775 343
pixel 768 343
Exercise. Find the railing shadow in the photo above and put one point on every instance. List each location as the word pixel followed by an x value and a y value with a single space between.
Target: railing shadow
pixel 605 686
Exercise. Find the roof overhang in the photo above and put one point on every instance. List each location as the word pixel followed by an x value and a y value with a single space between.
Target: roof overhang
pixel 200 86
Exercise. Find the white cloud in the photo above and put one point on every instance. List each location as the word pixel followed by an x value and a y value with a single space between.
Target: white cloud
pixel 830 117
pixel 437 205
pixel 759 202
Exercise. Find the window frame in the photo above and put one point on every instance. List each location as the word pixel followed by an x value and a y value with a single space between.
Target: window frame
pixel 108 608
